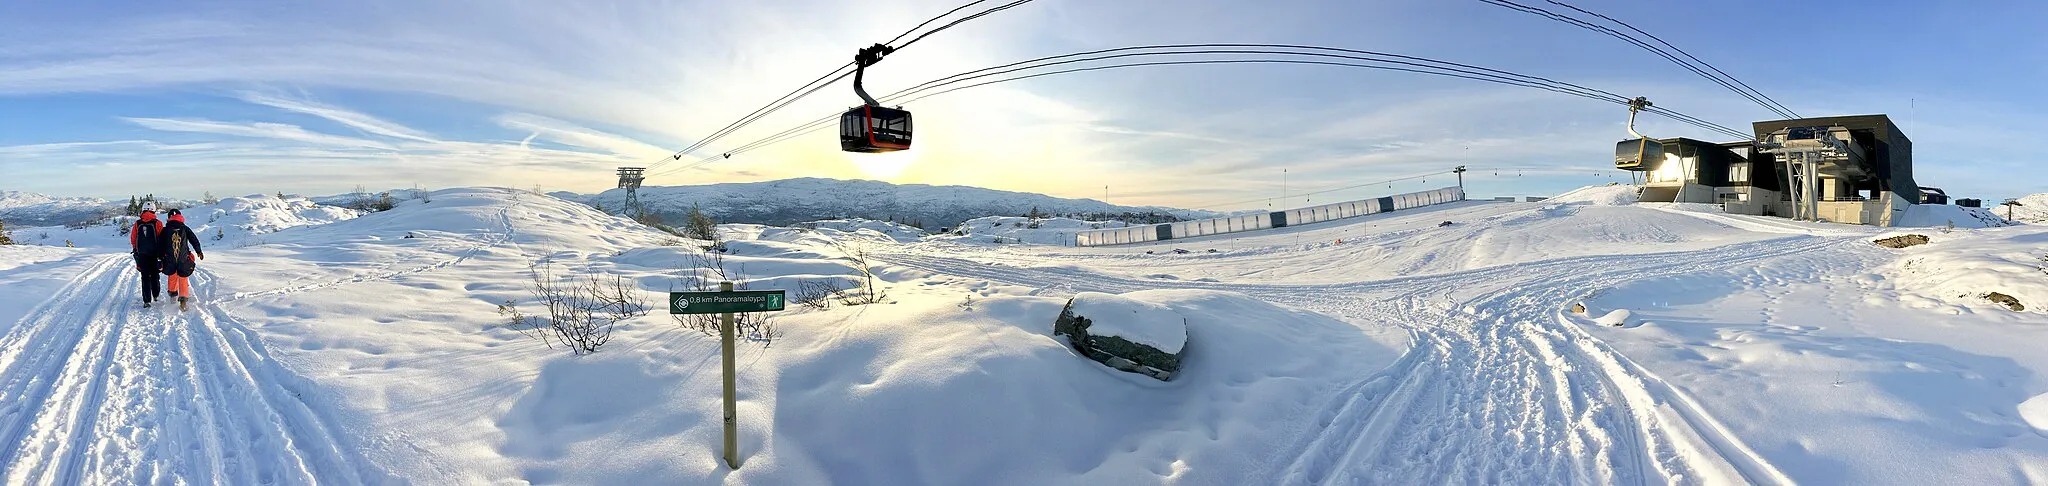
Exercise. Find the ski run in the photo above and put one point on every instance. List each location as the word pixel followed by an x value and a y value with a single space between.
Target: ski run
pixel 1582 340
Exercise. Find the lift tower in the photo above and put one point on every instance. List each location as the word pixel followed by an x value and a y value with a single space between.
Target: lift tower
pixel 629 179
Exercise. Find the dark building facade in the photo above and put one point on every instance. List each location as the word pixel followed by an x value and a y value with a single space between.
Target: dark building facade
pixel 1889 151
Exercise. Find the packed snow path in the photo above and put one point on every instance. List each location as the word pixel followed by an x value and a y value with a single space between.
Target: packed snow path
pixel 1498 386
pixel 95 389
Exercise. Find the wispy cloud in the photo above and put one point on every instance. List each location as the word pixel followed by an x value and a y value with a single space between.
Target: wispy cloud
pixel 277 131
pixel 358 120
pixel 578 136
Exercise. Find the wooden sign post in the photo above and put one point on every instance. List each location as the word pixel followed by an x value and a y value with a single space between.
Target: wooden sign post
pixel 725 302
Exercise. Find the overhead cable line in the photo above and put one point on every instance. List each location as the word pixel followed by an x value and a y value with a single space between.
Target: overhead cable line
pixel 1402 63
pixel 1754 97
pixel 1687 55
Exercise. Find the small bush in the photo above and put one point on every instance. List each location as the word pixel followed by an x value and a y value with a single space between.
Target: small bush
pixel 862 257
pixel 818 293
pixel 700 226
pixel 706 270
pixel 580 314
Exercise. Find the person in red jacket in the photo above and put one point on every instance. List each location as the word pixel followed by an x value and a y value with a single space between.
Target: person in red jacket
pixel 142 242
pixel 179 247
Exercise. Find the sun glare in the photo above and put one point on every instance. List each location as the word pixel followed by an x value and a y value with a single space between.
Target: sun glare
pixel 882 166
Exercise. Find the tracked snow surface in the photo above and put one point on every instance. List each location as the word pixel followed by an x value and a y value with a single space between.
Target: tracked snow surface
pixel 1388 349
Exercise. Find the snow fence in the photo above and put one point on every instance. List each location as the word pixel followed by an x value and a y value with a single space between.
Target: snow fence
pixel 1276 219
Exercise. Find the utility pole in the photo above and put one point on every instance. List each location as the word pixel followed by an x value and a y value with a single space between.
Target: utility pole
pixel 1461 177
pixel 1283 188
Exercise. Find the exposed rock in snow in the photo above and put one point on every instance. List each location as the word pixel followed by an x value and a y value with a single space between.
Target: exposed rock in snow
pixel 2006 300
pixel 1902 241
pixel 1124 333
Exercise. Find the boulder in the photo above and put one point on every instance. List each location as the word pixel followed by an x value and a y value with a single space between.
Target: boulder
pixel 1902 241
pixel 1125 334
pixel 2008 301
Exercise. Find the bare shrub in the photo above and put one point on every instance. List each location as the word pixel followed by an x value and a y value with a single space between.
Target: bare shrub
pixel 581 313
pixel 818 293
pixel 703 272
pixel 862 255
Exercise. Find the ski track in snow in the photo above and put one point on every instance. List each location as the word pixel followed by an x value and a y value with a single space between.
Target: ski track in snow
pixel 96 389
pixel 1500 386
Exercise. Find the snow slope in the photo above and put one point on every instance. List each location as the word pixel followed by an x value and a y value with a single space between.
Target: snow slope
pixel 1389 349
pixel 2033 209
pixel 1960 268
pixel 790 201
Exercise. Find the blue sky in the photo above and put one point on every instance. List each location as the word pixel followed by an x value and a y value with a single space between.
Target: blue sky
pixel 114 98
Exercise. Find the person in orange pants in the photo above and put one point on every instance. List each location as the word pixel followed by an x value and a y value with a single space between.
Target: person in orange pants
pixel 179 247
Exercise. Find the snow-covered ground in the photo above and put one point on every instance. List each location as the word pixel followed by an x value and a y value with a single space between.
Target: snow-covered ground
pixel 1390 349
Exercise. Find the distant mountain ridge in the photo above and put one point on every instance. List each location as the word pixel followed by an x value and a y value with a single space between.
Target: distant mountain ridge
pixel 31 209
pixel 790 201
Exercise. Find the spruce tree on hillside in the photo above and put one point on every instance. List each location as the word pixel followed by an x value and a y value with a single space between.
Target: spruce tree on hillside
pixel 4 239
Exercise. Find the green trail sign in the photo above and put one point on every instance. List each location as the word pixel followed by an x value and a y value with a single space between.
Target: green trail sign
pixel 723 302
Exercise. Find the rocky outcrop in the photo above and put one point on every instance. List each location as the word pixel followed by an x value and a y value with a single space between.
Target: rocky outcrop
pixel 1125 334
pixel 2008 301
pixel 1902 241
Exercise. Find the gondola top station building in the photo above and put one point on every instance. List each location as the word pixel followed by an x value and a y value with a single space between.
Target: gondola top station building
pixel 1843 169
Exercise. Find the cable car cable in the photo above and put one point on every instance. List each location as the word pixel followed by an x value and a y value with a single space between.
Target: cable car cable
pixel 821 123
pixel 1524 81
pixel 1510 4
pixel 1638 43
pixel 1688 55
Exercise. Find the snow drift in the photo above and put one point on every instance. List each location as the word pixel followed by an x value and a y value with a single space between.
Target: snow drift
pixel 1964 268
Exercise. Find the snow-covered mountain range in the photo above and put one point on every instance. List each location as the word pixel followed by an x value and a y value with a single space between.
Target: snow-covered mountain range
pixel 31 209
pixel 790 201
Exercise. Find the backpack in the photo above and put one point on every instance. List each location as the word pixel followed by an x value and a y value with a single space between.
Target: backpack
pixel 178 251
pixel 145 238
pixel 178 256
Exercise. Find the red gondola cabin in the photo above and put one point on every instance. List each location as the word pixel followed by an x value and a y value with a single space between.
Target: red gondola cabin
pixel 873 129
